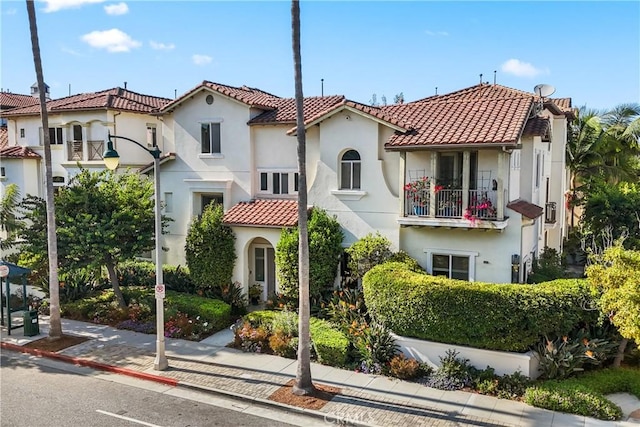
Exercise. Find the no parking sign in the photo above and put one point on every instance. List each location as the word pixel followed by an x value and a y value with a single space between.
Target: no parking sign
pixel 159 291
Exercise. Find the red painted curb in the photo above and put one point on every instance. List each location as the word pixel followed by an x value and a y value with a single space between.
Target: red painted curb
pixel 91 364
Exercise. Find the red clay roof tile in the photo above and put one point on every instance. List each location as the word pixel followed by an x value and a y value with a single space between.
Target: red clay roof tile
pixel 19 152
pixel 116 99
pixel 263 213
pixel 284 110
pixel 537 126
pixel 10 100
pixel 248 95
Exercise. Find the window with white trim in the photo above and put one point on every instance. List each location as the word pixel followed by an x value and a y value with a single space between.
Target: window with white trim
pixel 538 169
pixel 21 132
pixel 152 138
pixel 452 266
pixel 55 136
pixel 350 170
pixel 278 182
pixel 210 138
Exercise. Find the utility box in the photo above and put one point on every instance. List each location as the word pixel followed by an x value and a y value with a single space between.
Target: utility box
pixel 31 325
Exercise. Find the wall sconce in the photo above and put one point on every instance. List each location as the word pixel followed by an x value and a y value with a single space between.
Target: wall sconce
pixel 515 259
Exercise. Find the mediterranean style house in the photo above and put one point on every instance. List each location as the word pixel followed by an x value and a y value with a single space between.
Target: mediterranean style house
pixel 471 184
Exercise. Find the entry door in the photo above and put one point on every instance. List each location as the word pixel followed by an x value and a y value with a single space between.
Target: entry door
pixel 265 269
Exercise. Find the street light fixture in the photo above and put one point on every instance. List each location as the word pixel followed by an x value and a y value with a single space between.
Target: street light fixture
pixel 111 160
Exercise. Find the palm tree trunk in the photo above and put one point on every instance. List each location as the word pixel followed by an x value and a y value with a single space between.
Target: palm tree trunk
pixel 55 325
pixel 303 384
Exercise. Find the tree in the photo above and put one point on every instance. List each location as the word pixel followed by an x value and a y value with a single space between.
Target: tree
pixel 325 247
pixel 616 277
pixel 55 324
pixel 104 219
pixel 303 384
pixel 210 249
pixel 9 222
pixel 398 98
pixel 368 252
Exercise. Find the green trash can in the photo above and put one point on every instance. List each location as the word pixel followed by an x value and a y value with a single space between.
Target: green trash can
pixel 31 325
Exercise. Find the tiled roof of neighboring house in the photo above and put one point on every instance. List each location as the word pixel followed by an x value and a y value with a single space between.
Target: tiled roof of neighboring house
pixel 481 114
pixel 163 159
pixel 525 208
pixel 10 100
pixel 115 99
pixel 537 126
pixel 263 213
pixel 563 103
pixel 18 152
pixel 248 95
pixel 284 110
pixel 4 137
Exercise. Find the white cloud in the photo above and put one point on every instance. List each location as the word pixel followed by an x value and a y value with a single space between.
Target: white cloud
pixel 161 46
pixel 116 9
pixel 56 5
pixel 112 40
pixel 437 33
pixel 201 59
pixel 11 11
pixel 521 69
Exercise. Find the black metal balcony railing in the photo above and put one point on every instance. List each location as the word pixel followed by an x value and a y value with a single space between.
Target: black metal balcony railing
pixel 550 213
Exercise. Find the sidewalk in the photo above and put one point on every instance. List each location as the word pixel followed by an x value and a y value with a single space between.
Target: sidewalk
pixel 367 400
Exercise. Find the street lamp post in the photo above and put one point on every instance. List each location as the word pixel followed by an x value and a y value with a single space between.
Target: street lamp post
pixel 111 160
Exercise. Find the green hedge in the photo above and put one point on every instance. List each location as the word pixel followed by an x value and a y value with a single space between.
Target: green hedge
pixel 216 312
pixel 507 317
pixel 330 344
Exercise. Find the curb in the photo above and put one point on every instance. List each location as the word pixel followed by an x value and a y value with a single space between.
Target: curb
pixel 90 364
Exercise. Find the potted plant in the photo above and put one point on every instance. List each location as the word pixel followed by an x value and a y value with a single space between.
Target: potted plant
pixel 418 192
pixel 255 293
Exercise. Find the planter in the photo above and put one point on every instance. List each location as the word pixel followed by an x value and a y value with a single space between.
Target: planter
pixel 420 210
pixel 503 362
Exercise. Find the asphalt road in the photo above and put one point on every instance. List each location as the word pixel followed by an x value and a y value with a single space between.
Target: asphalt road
pixel 42 392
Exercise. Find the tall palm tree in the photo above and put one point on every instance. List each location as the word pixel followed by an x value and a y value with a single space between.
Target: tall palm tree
pixel 303 384
pixel 55 326
pixel 621 145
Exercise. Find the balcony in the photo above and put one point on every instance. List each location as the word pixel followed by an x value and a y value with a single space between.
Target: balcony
pixel 75 150
pixel 550 213
pixel 451 209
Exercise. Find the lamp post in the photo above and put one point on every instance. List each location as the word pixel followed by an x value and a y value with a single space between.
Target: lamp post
pixel 111 160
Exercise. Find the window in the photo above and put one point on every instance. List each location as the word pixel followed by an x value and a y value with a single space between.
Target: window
pixel 538 169
pixel 21 132
pixel 152 140
pixel 210 138
pixel 55 136
pixel 350 171
pixel 77 133
pixel 452 266
pixel 168 202
pixel 278 182
pixel 2 172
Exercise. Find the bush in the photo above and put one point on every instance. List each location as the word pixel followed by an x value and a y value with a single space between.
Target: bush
pixel 251 339
pixel 283 345
pixel 547 267
pixel 403 367
pixel 77 285
pixel 331 345
pixel 454 373
pixel 216 313
pixel 136 273
pixel 345 307
pixel 325 248
pixel 210 249
pixel 368 252
pixel 177 278
pixel 507 317
pixel 375 346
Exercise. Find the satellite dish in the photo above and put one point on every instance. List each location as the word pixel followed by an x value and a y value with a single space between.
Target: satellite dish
pixel 543 90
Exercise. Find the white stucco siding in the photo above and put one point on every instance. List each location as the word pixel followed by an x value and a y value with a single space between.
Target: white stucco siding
pixel 558 182
pixel 245 236
pixel 25 173
pixel 515 180
pixel 360 211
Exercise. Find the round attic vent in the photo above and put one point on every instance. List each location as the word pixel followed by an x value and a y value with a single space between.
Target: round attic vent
pixel 209 99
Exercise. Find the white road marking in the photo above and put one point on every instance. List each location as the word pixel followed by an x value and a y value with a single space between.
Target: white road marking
pixel 126 418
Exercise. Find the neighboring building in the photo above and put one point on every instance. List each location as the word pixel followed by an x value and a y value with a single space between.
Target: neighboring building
pixel 78 128
pixel 495 153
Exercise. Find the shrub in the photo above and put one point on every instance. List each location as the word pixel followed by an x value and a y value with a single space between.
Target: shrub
pixel 285 322
pixel 368 252
pixel 252 339
pixel 454 373
pixel 283 344
pixel 177 278
pixel 232 295
pixel 375 345
pixel 405 258
pixel 325 248
pixel 403 367
pixel 577 400
pixel 216 313
pixel 507 317
pixel 261 318
pixel 210 249
pixel 77 285
pixel 330 345
pixel 345 307
pixel 136 273
pixel 547 267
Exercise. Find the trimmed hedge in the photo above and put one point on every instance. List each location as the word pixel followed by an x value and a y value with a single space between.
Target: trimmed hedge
pixel 216 312
pixel 330 344
pixel 506 317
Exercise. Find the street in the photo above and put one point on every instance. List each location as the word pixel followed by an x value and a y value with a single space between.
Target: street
pixel 43 392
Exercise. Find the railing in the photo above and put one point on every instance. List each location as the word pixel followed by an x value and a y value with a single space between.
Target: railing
pixel 550 213
pixel 482 204
pixel 74 150
pixel 96 148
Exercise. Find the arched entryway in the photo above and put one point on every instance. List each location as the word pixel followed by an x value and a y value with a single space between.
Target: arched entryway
pixel 262 266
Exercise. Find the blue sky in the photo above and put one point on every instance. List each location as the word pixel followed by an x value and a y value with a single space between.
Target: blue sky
pixel 590 51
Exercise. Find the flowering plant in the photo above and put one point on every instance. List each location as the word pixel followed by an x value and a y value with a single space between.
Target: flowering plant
pixel 415 187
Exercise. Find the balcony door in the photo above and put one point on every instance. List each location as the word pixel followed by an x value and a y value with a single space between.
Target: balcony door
pixel 450 170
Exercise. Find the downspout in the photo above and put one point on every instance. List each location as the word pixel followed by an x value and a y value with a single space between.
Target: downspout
pixel 522 226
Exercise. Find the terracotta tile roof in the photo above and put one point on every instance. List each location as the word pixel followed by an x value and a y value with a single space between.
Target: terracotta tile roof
pixel 525 208
pixel 537 126
pixel 481 114
pixel 284 110
pixel 19 152
pixel 10 100
pixel 4 137
pixel 263 213
pixel 116 99
pixel 563 103
pixel 163 159
pixel 248 95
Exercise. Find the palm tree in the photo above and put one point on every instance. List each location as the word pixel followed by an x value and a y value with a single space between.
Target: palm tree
pixel 303 384
pixel 55 326
pixel 621 145
pixel 9 223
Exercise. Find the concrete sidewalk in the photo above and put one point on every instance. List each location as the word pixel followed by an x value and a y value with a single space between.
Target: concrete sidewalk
pixel 365 399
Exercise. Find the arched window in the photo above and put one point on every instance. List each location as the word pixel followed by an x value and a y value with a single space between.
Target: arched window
pixel 350 171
